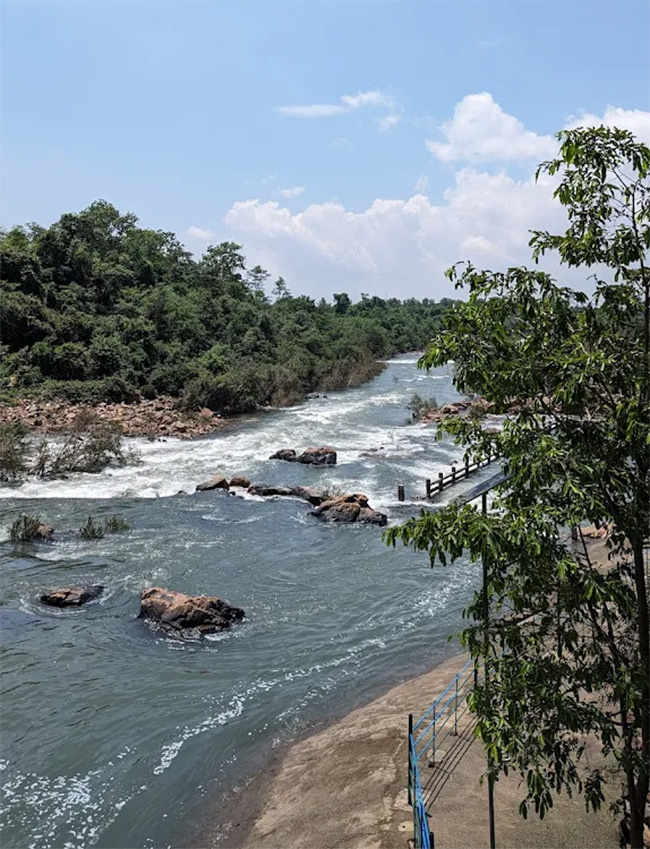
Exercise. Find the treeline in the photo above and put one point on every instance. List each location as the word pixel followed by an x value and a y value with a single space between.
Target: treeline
pixel 97 308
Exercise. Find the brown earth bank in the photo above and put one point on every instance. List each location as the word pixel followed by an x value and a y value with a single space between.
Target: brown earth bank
pixel 141 418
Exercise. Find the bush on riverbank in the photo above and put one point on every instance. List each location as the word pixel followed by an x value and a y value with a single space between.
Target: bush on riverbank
pixel 95 308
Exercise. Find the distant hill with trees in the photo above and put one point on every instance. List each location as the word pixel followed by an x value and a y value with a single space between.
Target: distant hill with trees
pixel 97 308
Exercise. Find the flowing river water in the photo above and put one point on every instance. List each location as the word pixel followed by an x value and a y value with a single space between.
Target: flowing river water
pixel 115 736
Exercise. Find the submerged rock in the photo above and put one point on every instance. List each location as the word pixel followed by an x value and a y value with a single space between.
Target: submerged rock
pixel 176 611
pixel 71 596
pixel 217 482
pixel 266 491
pixel 346 509
pixel 308 493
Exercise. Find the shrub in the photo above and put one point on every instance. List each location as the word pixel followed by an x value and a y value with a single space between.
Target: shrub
pixel 27 528
pixel 91 445
pixel 115 524
pixel 91 530
pixel 13 447
pixel 420 407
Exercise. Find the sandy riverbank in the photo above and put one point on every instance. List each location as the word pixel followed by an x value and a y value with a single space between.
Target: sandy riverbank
pixel 344 787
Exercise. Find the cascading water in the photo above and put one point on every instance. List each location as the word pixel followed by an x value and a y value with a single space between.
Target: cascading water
pixel 115 736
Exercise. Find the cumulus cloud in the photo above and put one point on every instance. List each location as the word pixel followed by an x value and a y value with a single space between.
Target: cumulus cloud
pixel 401 247
pixel 200 234
pixel 373 98
pixel 480 131
pixel 293 192
pixel 635 120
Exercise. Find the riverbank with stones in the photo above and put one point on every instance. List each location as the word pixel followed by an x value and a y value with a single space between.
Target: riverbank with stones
pixel 143 418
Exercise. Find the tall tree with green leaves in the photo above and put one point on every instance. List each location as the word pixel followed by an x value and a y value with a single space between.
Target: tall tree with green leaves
pixel 566 641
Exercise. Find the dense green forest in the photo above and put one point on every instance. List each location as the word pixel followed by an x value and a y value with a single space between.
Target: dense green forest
pixel 97 308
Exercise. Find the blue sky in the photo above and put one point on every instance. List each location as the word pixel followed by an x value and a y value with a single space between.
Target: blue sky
pixel 192 115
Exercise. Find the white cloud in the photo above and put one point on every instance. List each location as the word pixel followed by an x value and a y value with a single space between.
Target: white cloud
pixel 200 234
pixel 421 184
pixel 368 98
pixel 292 193
pixel 341 142
pixel 373 98
pixel 401 247
pixel 313 110
pixel 388 121
pixel 480 131
pixel 635 120
pixel 269 178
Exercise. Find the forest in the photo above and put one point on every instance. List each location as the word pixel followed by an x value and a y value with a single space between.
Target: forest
pixel 96 308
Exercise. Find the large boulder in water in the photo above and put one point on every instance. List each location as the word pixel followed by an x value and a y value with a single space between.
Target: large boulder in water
pixel 176 611
pixel 219 481
pixel 71 596
pixel 287 454
pixel 308 493
pixel 240 481
pixel 322 456
pixel 346 509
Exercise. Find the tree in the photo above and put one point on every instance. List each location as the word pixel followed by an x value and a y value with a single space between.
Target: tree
pixel 565 643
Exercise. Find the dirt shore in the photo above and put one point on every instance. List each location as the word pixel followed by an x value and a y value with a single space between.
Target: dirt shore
pixel 344 787
pixel 142 418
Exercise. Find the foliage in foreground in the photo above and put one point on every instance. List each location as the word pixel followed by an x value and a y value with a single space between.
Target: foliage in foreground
pixel 578 450
pixel 95 308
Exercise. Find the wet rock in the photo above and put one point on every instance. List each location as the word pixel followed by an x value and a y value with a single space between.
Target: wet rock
pixel 347 509
pixel 217 482
pixel 71 596
pixel 266 491
pixel 309 494
pixel 179 612
pixel 240 480
pixel 43 533
pixel 322 456
pixel 287 454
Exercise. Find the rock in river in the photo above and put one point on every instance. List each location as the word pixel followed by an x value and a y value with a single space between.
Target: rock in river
pixel 241 481
pixel 179 612
pixel 217 482
pixel 323 456
pixel 349 508
pixel 71 596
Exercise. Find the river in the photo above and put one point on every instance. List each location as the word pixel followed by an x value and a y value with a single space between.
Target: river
pixel 114 736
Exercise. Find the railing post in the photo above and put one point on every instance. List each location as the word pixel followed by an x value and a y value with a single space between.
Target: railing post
pixel 456 710
pixel 453 474
pixel 410 737
pixel 441 481
pixel 433 741
pixel 466 466
pixel 400 492
pixel 427 483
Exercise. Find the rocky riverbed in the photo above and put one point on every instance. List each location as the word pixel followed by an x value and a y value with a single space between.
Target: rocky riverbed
pixel 151 419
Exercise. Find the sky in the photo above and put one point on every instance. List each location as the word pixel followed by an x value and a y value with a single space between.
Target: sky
pixel 347 146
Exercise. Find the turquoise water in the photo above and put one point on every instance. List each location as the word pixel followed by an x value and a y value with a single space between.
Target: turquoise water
pixel 115 736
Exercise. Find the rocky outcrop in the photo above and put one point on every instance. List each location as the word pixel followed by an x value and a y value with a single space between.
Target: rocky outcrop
pixel 71 596
pixel 180 613
pixel 43 533
pixel 140 418
pixel 321 456
pixel 461 409
pixel 219 481
pixel 287 454
pixel 240 481
pixel 266 491
pixel 347 509
pixel 310 494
